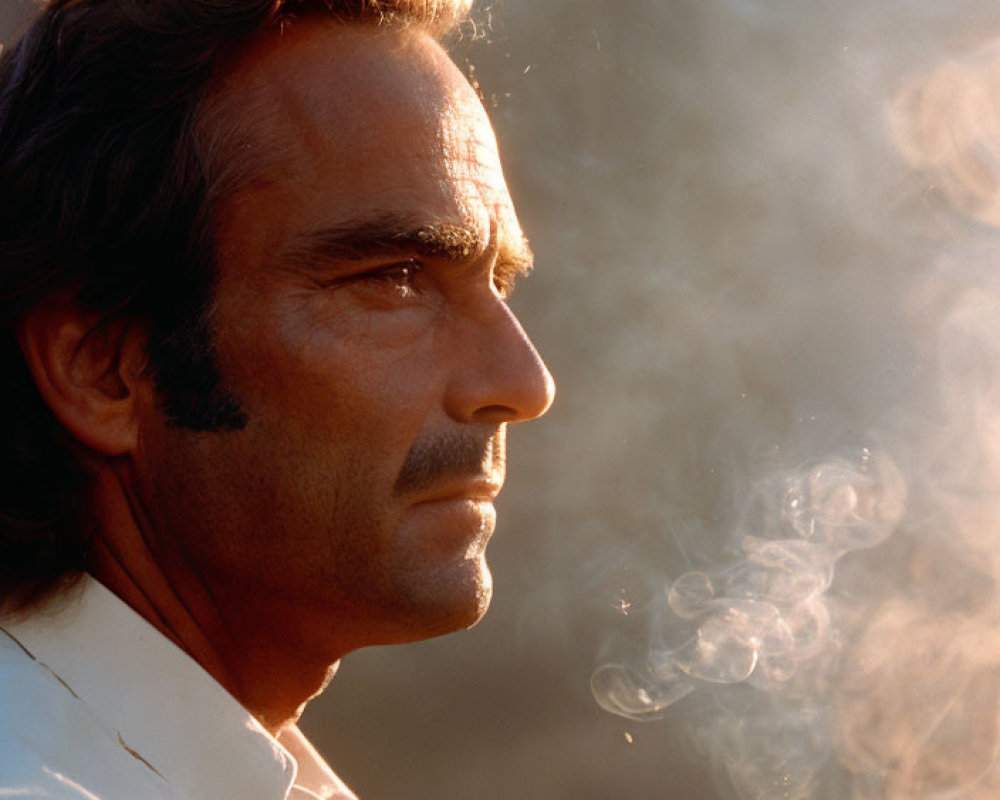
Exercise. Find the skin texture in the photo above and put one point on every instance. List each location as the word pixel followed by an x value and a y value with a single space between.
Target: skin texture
pixel 360 318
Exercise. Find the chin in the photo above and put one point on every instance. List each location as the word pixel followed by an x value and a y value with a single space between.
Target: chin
pixel 449 603
pixel 484 595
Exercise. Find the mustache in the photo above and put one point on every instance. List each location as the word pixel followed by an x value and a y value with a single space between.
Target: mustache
pixel 433 459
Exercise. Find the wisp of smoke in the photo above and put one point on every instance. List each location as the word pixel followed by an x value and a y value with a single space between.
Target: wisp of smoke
pixel 764 620
pixel 852 649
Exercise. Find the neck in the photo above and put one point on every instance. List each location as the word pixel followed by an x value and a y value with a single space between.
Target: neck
pixel 249 650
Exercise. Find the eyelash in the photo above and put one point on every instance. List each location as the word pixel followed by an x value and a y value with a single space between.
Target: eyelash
pixel 402 275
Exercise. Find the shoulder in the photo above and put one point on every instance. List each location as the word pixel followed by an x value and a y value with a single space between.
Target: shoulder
pixel 55 747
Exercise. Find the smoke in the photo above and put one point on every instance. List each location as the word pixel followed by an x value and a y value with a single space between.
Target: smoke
pixel 766 621
pixel 846 642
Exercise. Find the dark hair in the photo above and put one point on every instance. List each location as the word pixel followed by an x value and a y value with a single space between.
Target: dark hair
pixel 107 187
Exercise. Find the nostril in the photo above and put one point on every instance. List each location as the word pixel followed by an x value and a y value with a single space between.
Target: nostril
pixel 495 414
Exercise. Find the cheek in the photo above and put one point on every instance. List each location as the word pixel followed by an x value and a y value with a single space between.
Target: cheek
pixel 304 361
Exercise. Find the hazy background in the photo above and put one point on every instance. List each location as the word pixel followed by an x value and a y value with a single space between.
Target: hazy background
pixel 727 245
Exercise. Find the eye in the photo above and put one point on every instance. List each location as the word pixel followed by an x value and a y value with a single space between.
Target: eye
pixel 399 278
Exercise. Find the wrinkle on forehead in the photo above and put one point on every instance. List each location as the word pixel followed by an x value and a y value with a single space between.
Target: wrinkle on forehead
pixel 328 80
pixel 374 121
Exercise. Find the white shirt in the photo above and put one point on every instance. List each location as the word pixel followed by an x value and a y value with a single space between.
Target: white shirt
pixel 96 704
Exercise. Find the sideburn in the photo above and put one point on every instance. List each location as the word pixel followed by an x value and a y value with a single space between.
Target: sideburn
pixel 193 394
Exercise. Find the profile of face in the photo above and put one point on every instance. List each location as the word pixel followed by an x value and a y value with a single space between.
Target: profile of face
pixel 360 318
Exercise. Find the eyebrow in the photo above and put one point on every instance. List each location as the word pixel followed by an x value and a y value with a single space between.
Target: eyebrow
pixel 392 235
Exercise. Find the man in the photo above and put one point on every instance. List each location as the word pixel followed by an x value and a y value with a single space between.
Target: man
pixel 259 368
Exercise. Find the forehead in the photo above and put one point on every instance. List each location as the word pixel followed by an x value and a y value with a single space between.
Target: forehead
pixel 347 121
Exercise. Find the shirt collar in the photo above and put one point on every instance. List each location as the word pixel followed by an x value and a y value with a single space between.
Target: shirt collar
pixel 167 710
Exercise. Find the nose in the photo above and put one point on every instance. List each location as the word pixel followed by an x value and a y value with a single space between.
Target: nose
pixel 499 375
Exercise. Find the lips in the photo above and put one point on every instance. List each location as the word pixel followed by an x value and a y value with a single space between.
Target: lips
pixel 480 490
pixel 456 524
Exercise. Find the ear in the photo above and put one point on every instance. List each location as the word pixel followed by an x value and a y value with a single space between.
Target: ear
pixel 89 370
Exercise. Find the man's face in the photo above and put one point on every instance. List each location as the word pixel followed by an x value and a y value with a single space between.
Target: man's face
pixel 360 319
